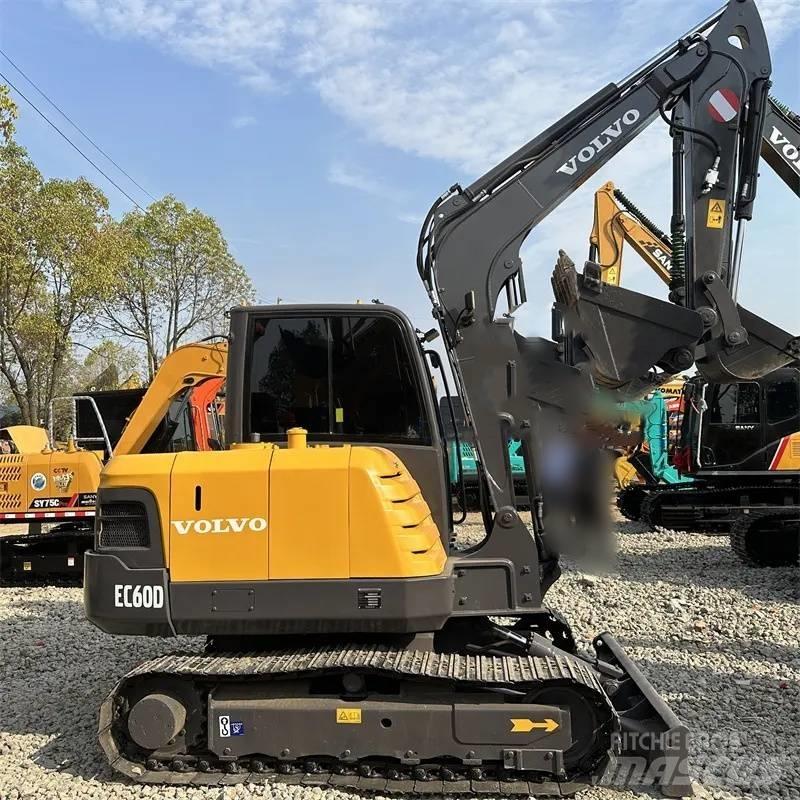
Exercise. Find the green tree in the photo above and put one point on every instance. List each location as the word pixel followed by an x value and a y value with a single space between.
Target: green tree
pixel 176 282
pixel 8 114
pixel 107 365
pixel 58 245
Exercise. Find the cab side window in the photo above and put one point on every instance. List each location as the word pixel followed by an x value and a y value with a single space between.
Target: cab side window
pixel 783 401
pixel 734 404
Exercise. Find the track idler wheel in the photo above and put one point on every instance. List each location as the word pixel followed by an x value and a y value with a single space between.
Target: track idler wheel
pixel 589 729
pixel 155 721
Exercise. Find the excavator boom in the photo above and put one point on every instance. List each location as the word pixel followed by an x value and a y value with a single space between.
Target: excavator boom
pixel 183 369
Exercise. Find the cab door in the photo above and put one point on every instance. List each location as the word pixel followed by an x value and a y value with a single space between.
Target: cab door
pixel 732 426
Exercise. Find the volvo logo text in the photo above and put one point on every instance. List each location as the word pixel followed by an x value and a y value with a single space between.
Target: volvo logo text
pixel 613 131
pixel 227 525
pixel 790 152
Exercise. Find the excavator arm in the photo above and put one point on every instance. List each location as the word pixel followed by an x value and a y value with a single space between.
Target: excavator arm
pixel 469 251
pixel 616 221
pixel 754 348
pixel 185 368
pixel 652 412
pixel 730 350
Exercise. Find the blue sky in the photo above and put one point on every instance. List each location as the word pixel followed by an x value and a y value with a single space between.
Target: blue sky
pixel 318 134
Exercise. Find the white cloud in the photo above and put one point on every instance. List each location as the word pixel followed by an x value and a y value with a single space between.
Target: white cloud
pixel 243 35
pixel 464 83
pixel 411 219
pixel 243 121
pixel 781 19
pixel 353 177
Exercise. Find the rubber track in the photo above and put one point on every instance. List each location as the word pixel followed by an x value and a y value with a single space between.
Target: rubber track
pixel 627 497
pixel 460 668
pixel 741 527
pixel 659 491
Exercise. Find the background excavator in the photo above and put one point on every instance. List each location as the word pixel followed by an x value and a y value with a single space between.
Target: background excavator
pixel 45 483
pixel 739 444
pixel 649 461
pixel 350 643
pixel 42 483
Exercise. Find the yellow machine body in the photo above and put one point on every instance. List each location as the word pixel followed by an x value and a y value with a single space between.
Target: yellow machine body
pixel 300 513
pixel 625 473
pixel 46 480
pixel 787 456
pixel 25 438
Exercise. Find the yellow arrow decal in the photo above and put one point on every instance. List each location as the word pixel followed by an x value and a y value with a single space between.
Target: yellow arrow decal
pixel 528 725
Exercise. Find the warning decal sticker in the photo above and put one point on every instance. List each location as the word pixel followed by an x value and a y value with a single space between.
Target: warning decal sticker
pixel 716 213
pixel 348 716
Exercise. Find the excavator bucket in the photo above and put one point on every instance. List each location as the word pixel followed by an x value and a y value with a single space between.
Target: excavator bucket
pixel 768 348
pixel 622 334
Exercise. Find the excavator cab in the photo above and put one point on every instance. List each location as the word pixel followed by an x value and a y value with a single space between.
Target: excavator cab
pixel 350 374
pixel 739 428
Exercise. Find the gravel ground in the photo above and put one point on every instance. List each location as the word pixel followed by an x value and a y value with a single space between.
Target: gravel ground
pixel 719 640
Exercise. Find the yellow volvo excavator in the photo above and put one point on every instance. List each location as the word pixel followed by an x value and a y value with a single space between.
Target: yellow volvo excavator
pixel 350 643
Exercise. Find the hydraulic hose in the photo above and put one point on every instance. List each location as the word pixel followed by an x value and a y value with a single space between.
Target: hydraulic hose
pixel 643 218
